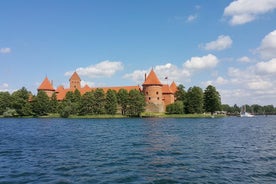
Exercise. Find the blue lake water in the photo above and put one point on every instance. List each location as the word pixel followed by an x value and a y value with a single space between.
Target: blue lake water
pixel 223 150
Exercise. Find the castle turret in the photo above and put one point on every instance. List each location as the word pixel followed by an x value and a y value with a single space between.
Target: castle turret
pixel 47 87
pixel 75 81
pixel 152 89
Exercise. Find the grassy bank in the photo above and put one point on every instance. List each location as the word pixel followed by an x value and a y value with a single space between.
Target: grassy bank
pixel 143 115
pixel 164 115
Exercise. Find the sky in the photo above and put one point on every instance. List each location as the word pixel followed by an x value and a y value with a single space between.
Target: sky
pixel 228 44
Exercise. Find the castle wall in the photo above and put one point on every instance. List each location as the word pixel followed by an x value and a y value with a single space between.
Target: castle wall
pixel 168 99
pixel 153 98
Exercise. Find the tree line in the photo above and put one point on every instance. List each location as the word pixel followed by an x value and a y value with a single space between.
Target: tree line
pixel 195 100
pixel 254 109
pixel 97 102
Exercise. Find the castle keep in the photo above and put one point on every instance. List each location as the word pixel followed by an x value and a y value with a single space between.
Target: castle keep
pixel 157 95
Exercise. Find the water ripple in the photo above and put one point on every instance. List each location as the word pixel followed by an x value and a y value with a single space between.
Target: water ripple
pixel 227 150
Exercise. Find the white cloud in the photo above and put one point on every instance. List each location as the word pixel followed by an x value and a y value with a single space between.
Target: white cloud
pixel 222 42
pixel 259 84
pixel 199 63
pixel 268 67
pixel 137 76
pixel 102 69
pixel 191 18
pixel 90 84
pixel 244 11
pixel 244 59
pixel 255 84
pixel 5 50
pixel 172 72
pixel 4 87
pixel 268 46
pixel 217 82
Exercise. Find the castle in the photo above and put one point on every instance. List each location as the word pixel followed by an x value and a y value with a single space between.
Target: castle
pixel 157 95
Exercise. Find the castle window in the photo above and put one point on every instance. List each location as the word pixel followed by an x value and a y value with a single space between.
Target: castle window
pixel 157 92
pixel 147 93
pixel 149 98
pixel 157 98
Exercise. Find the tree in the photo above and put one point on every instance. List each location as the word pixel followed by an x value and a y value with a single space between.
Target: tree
pixel 65 109
pixel 122 97
pixel 180 94
pixel 257 109
pixel 20 102
pixel 73 99
pixel 111 102
pixel 136 103
pixel 5 101
pixel 212 101
pixel 99 102
pixel 268 109
pixel 175 108
pixel 86 103
pixel 41 104
pixel 53 107
pixel 194 100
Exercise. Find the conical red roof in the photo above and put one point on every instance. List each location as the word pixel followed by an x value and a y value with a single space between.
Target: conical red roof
pixel 75 76
pixel 166 89
pixel 46 85
pixel 173 87
pixel 152 79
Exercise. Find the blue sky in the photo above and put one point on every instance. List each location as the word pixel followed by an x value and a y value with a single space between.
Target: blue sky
pixel 229 44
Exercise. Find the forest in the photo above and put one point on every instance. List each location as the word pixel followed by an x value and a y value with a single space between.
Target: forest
pixel 22 103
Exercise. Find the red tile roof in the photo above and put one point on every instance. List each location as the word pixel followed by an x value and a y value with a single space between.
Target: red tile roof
pixel 117 88
pixel 166 89
pixel 152 79
pixel 173 87
pixel 46 85
pixel 75 76
pixel 85 89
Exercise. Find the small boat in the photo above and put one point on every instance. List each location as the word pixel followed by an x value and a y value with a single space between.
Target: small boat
pixel 243 113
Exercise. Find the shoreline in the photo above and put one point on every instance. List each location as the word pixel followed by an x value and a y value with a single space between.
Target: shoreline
pixel 118 116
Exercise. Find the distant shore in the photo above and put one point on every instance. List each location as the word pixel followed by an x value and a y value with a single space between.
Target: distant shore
pixel 143 115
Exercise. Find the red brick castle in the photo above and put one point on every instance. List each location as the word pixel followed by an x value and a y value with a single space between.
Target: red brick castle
pixel 157 95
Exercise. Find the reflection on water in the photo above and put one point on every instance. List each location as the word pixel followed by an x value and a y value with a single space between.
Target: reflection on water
pixel 226 150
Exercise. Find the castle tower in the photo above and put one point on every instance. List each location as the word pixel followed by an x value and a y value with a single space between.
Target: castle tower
pixel 47 87
pixel 75 81
pixel 152 89
pixel 173 87
pixel 168 95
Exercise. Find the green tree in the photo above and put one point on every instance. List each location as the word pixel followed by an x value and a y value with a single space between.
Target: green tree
pixel 41 104
pixel 123 100
pixel 77 96
pixel 5 101
pixel 111 102
pixel 99 102
pixel 73 99
pixel 87 103
pixel 194 100
pixel 20 102
pixel 212 101
pixel 65 109
pixel 257 109
pixel 180 94
pixel 53 104
pixel 175 108
pixel 268 109
pixel 136 103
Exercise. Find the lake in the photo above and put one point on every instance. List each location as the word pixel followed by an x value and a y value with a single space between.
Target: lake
pixel 165 150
